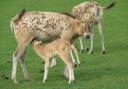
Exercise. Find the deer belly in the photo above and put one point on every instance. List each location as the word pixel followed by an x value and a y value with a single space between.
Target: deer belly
pixel 46 37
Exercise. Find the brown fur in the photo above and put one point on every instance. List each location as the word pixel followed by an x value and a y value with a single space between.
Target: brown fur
pixel 59 47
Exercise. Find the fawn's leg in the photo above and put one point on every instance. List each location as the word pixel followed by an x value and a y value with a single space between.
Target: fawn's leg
pixel 66 58
pixel 47 64
pixel 53 62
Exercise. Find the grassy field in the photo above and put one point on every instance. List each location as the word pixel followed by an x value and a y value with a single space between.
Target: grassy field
pixel 97 71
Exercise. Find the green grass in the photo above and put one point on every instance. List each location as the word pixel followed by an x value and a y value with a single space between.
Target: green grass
pixel 97 71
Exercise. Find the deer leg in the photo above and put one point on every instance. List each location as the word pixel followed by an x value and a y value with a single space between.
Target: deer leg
pixel 81 44
pixel 22 45
pixel 100 26
pixel 91 46
pixel 24 68
pixel 76 53
pixel 72 57
pixel 16 56
pixel 66 58
pixel 15 61
pixel 46 70
pixel 66 72
pixel 53 62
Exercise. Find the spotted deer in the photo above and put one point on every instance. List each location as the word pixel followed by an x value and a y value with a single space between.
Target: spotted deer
pixel 43 26
pixel 91 12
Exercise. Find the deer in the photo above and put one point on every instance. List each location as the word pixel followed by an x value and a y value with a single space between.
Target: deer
pixel 91 12
pixel 49 50
pixel 42 26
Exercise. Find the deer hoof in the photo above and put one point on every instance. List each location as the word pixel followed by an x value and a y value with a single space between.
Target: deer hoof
pixel 75 65
pixel 91 52
pixel 82 50
pixel 87 49
pixel 104 52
